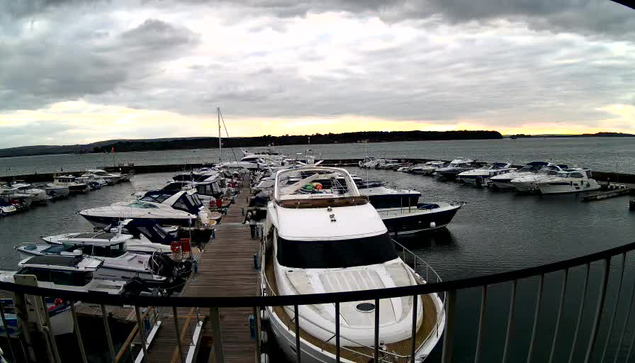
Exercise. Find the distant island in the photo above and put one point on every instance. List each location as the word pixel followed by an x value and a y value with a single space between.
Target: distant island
pixel 597 134
pixel 259 141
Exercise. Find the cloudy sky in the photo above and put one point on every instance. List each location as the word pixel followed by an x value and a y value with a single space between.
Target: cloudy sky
pixel 74 71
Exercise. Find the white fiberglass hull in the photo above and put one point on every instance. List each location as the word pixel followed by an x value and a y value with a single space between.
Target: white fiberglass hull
pixel 548 188
pixel 286 340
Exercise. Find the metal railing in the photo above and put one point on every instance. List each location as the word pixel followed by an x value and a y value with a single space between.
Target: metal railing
pixel 607 314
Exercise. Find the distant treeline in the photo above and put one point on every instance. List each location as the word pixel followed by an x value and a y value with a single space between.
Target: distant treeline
pixel 269 140
pixel 597 134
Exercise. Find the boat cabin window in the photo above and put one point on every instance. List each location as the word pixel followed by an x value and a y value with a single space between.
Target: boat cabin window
pixel 336 254
pixel 575 175
pixel 188 203
pixel 155 197
pixel 99 251
pixel 69 278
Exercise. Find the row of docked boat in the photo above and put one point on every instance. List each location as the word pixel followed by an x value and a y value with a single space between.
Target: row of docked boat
pixel 19 196
pixel 536 177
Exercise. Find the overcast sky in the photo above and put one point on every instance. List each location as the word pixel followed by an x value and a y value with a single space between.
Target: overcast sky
pixel 78 71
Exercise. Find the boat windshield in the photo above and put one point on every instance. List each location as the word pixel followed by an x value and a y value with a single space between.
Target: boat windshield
pixel 336 254
pixel 70 278
pixel 98 251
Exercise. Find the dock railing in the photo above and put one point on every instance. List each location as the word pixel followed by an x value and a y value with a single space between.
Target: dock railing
pixel 595 349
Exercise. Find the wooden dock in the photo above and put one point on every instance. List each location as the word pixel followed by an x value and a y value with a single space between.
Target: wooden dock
pixel 606 194
pixel 225 269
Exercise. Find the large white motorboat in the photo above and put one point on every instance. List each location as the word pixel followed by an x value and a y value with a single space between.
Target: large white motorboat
pixel 197 175
pixel 429 167
pixel 169 208
pixel 331 239
pixel 69 273
pixel 70 181
pixel 482 175
pixel 527 183
pixel 155 270
pixel 567 181
pixel 503 181
pixel 140 236
pixel 455 167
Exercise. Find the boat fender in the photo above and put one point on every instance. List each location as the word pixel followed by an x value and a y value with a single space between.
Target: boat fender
pixel 264 358
pixel 264 337
pixel 175 247
pixel 432 224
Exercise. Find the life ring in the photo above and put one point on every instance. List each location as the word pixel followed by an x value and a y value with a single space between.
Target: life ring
pixel 175 247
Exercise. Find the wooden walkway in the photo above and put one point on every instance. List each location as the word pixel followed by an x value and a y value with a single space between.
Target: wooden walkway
pixel 225 269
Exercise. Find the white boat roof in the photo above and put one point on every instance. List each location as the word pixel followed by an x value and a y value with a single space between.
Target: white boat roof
pixel 285 189
pixel 62 263
pixel 90 238
pixel 315 224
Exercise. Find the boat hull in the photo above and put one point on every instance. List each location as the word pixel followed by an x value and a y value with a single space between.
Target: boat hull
pixel 381 201
pixel 104 221
pixel 417 220
pixel 565 188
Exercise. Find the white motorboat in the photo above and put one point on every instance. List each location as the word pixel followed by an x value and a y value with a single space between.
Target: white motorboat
pixel 109 178
pixel 155 270
pixel 567 181
pixel 70 181
pixel 7 209
pixel 429 167
pixel 93 181
pixel 527 183
pixel 168 208
pixel 38 196
pixel 260 159
pixel 20 201
pixel 455 167
pixel 139 236
pixel 503 181
pixel 325 240
pixel 482 175
pixel 197 175
pixel 208 191
pixel 68 273
pixel 56 191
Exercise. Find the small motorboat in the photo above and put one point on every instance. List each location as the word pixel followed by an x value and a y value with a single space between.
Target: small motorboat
pixel 56 191
pixel 455 167
pixel 70 181
pixel 7 209
pixel 481 176
pixel 59 312
pixel 429 167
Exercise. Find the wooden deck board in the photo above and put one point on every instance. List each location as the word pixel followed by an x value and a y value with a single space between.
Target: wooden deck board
pixel 225 269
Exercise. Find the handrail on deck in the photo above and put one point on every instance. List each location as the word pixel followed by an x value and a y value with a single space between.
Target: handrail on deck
pixel 309 299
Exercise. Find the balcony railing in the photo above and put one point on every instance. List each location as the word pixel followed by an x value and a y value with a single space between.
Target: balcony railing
pixel 614 324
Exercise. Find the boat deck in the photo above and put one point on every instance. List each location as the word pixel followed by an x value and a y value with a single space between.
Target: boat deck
pixel 359 354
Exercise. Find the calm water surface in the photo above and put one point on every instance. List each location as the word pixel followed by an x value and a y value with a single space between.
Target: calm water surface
pixel 493 232
pixel 598 153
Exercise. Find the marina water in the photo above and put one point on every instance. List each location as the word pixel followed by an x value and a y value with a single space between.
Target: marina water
pixel 494 232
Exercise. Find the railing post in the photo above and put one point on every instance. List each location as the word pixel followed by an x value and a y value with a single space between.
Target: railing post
pixel 298 346
pixel 448 338
pixel 376 355
pixel 257 332
pixel 111 346
pixel 217 335
pixel 481 324
pixel 628 314
pixel 598 310
pixel 179 344
pixel 615 306
pixel 415 307
pixel 510 320
pixel 536 317
pixel 337 332
pixel 78 333
pixel 563 293
pixel 142 334
pixel 6 332
pixel 580 311
pixel 49 329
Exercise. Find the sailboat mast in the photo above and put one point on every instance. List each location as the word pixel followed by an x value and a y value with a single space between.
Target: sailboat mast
pixel 220 138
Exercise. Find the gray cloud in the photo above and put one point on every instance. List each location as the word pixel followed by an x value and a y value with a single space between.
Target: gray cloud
pixel 502 62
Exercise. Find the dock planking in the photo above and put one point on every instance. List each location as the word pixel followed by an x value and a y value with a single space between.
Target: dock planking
pixel 225 269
